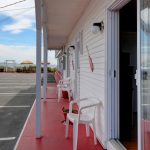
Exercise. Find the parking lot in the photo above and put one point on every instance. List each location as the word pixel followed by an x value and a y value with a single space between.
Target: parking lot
pixel 17 94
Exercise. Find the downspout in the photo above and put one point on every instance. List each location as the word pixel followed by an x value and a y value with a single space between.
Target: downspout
pixel 38 67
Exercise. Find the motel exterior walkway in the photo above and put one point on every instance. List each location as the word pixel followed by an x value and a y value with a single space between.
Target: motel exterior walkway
pixel 52 127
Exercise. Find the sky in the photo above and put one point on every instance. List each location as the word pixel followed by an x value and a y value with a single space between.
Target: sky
pixel 17 32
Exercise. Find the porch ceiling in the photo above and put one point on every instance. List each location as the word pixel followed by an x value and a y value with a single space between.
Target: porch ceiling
pixel 61 17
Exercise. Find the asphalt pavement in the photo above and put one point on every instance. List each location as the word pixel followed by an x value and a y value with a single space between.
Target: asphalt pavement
pixel 17 94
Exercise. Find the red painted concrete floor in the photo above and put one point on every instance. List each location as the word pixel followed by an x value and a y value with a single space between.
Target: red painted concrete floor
pixel 53 130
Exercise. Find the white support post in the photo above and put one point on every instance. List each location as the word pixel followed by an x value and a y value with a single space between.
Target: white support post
pixel 38 68
pixel 38 85
pixel 45 63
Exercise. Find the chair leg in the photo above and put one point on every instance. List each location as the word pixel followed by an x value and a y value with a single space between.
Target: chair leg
pixel 67 127
pixel 94 131
pixel 59 94
pixel 87 130
pixel 75 134
pixel 69 95
pixel 72 95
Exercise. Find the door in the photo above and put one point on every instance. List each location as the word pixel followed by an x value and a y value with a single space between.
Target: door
pixel 121 67
pixel 144 75
pixel 127 70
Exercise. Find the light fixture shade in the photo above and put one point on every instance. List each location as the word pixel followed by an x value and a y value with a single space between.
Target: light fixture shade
pixel 95 29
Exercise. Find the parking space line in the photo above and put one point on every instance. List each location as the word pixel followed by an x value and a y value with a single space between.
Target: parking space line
pixel 16 87
pixel 25 124
pixel 17 93
pixel 13 87
pixel 7 138
pixel 18 83
pixel 25 106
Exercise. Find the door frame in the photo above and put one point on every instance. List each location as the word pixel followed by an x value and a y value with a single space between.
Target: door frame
pixel 112 73
pixel 112 70
pixel 138 76
pixel 77 67
pixel 68 62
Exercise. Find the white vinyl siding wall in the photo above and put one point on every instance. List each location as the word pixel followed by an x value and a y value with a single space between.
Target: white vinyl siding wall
pixel 93 83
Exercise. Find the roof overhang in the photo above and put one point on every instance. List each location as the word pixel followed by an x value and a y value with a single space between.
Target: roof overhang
pixel 61 17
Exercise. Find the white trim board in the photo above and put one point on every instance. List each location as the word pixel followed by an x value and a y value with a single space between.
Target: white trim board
pixel 112 75
pixel 115 145
pixel 118 4
pixel 139 90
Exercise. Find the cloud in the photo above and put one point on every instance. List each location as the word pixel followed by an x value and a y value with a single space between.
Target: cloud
pixel 22 52
pixel 18 27
pixel 17 52
pixel 51 58
pixel 22 19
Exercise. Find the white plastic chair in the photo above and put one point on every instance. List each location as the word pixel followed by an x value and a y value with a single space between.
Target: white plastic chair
pixel 86 115
pixel 64 85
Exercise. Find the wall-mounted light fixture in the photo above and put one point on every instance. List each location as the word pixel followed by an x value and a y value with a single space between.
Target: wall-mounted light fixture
pixel 72 46
pixel 70 49
pixel 64 54
pixel 98 26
